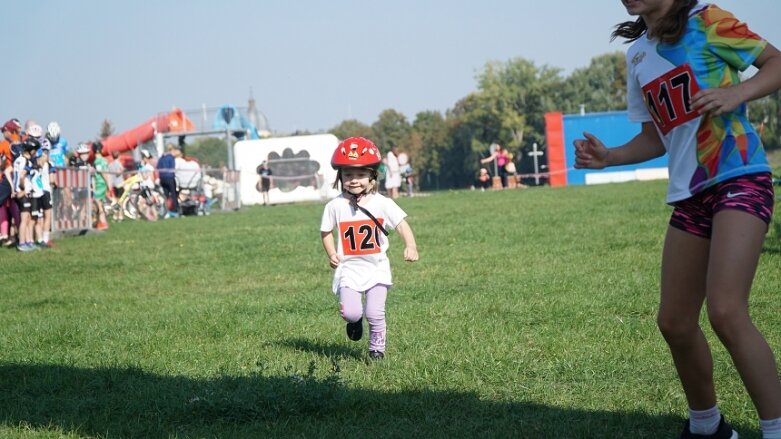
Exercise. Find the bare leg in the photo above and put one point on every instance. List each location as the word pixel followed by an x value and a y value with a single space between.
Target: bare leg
pixel 736 245
pixel 684 268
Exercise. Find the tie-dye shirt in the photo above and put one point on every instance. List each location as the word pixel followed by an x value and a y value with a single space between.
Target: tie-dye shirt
pixel 662 78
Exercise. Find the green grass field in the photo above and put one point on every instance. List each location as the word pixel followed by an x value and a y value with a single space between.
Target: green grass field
pixel 531 314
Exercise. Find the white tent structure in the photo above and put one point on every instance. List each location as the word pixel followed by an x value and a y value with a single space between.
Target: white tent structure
pixel 300 165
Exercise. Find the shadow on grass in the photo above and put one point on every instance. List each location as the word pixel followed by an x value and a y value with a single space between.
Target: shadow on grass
pixel 128 402
pixel 328 350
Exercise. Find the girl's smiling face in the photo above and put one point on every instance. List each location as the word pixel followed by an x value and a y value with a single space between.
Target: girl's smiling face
pixel 357 180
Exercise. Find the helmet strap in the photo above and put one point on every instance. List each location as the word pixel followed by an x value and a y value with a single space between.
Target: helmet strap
pixel 354 203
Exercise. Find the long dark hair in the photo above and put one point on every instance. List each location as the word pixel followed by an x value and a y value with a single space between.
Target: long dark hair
pixel 669 29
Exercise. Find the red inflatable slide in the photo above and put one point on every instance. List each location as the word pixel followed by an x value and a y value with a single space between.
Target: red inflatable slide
pixel 175 121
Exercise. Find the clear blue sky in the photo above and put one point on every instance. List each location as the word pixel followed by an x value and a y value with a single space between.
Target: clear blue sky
pixel 311 64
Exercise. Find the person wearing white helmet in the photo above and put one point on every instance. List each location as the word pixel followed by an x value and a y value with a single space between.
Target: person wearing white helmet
pixel 59 145
pixel 45 203
pixel 34 130
pixel 80 158
pixel 53 130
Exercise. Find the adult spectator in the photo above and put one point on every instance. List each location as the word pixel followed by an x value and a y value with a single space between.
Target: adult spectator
pixel 100 184
pixel 11 147
pixel 501 157
pixel 264 181
pixel 166 168
pixel 116 171
pixel 393 172
pixel 6 240
pixel 188 180
pixel 188 171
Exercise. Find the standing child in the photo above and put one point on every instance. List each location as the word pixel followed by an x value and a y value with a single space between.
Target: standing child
pixel 36 197
pixel 684 87
pixel 22 188
pixel 47 170
pixel 360 217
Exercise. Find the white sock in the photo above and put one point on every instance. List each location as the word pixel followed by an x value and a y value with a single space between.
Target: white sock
pixel 771 428
pixel 45 236
pixel 704 422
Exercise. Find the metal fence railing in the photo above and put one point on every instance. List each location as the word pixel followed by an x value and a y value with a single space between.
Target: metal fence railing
pixel 200 192
pixel 71 200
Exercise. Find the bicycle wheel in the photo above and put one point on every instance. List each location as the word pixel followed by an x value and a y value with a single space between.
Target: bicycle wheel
pixel 149 210
pixel 130 206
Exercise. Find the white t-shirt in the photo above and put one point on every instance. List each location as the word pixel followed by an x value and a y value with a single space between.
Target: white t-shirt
pixel 148 176
pixel 360 243
pixel 662 78
pixel 21 164
pixel 393 174
pixel 35 182
pixel 188 173
pixel 46 171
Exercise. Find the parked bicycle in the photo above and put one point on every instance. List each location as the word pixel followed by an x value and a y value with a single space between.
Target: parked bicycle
pixel 139 200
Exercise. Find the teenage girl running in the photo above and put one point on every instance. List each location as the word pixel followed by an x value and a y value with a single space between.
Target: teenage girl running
pixel 683 86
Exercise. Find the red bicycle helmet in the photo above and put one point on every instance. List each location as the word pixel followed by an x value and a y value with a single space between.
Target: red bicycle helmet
pixel 356 152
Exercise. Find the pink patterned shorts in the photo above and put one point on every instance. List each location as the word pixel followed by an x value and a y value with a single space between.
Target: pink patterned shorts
pixel 751 193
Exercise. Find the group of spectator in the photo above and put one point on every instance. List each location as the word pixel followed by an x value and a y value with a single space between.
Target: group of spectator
pixel 397 169
pixel 504 168
pixel 28 157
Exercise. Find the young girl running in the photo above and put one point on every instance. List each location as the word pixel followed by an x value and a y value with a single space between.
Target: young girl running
pixel 361 218
pixel 683 86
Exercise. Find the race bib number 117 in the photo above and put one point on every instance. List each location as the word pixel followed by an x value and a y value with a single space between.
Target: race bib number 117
pixel 669 96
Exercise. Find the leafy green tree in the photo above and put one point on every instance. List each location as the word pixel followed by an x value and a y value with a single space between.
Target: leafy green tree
pixel 106 129
pixel 350 128
pixel 518 94
pixel 209 151
pixel 428 144
pixel 391 128
pixel 472 127
pixel 599 87
pixel 508 107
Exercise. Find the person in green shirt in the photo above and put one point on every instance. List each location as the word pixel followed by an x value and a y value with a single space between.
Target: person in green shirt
pixel 100 185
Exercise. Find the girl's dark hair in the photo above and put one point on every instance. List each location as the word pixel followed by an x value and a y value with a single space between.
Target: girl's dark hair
pixel 669 29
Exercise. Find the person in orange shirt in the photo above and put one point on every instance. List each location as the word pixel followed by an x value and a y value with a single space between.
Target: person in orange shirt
pixel 8 208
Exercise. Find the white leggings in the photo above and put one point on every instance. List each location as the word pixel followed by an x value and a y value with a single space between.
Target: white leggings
pixel 352 310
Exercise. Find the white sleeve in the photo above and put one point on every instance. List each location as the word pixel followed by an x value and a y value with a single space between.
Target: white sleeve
pixel 393 213
pixel 636 108
pixel 328 222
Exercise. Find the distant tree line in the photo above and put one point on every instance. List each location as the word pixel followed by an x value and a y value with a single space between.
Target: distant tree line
pixel 508 108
